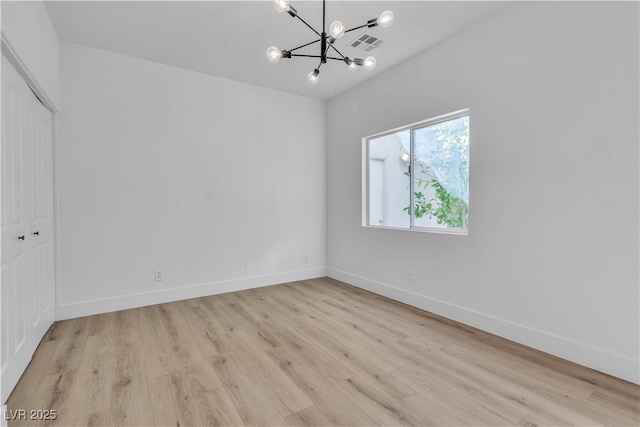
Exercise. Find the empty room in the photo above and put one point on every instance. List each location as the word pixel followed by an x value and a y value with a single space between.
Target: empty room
pixel 320 213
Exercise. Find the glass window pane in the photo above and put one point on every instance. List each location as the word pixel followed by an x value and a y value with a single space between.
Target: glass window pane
pixel 441 175
pixel 389 180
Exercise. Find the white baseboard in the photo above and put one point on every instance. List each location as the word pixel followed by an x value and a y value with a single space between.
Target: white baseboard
pixel 123 302
pixel 617 365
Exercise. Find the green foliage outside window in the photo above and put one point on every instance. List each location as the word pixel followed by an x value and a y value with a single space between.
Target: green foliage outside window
pixel 451 157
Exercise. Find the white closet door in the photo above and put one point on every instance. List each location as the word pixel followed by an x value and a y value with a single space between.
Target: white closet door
pixel 27 286
pixel 40 233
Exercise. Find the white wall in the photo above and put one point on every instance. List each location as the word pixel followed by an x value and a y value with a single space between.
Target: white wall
pixel 553 95
pixel 163 168
pixel 28 31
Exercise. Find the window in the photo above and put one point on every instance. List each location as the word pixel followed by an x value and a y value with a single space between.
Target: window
pixel 417 177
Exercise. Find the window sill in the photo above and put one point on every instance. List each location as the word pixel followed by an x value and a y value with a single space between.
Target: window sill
pixel 456 232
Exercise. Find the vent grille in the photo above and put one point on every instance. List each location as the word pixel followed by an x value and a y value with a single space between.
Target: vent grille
pixel 366 42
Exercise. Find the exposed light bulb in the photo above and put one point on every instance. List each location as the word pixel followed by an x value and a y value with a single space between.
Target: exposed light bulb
pixel 281 5
pixel 274 54
pixel 385 19
pixel 405 157
pixel 351 65
pixel 370 62
pixel 336 29
pixel 314 76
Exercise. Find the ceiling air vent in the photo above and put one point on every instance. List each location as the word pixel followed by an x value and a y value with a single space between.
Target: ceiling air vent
pixel 366 42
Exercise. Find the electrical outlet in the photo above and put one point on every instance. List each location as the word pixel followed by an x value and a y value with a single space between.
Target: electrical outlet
pixel 409 276
pixel 248 264
pixel 158 275
pixel 305 258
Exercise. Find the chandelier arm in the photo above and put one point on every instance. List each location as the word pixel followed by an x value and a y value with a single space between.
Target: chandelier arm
pixel 305 56
pixel 329 44
pixel 305 23
pixel 304 45
pixel 334 48
pixel 336 59
pixel 356 28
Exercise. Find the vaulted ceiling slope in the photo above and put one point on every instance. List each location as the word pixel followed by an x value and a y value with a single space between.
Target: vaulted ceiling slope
pixel 229 38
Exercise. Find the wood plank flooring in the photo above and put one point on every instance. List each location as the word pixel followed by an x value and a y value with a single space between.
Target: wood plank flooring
pixel 317 352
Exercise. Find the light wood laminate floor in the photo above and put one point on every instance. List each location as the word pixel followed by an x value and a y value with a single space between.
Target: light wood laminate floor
pixel 316 352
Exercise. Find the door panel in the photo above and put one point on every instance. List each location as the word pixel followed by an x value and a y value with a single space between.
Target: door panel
pixel 16 289
pixel 14 249
pixel 4 346
pixel 41 222
pixel 48 294
pixel 27 287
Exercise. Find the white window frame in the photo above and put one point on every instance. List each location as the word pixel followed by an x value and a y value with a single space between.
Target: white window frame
pixel 365 173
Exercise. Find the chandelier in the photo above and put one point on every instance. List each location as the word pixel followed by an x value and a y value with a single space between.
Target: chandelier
pixel 336 31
